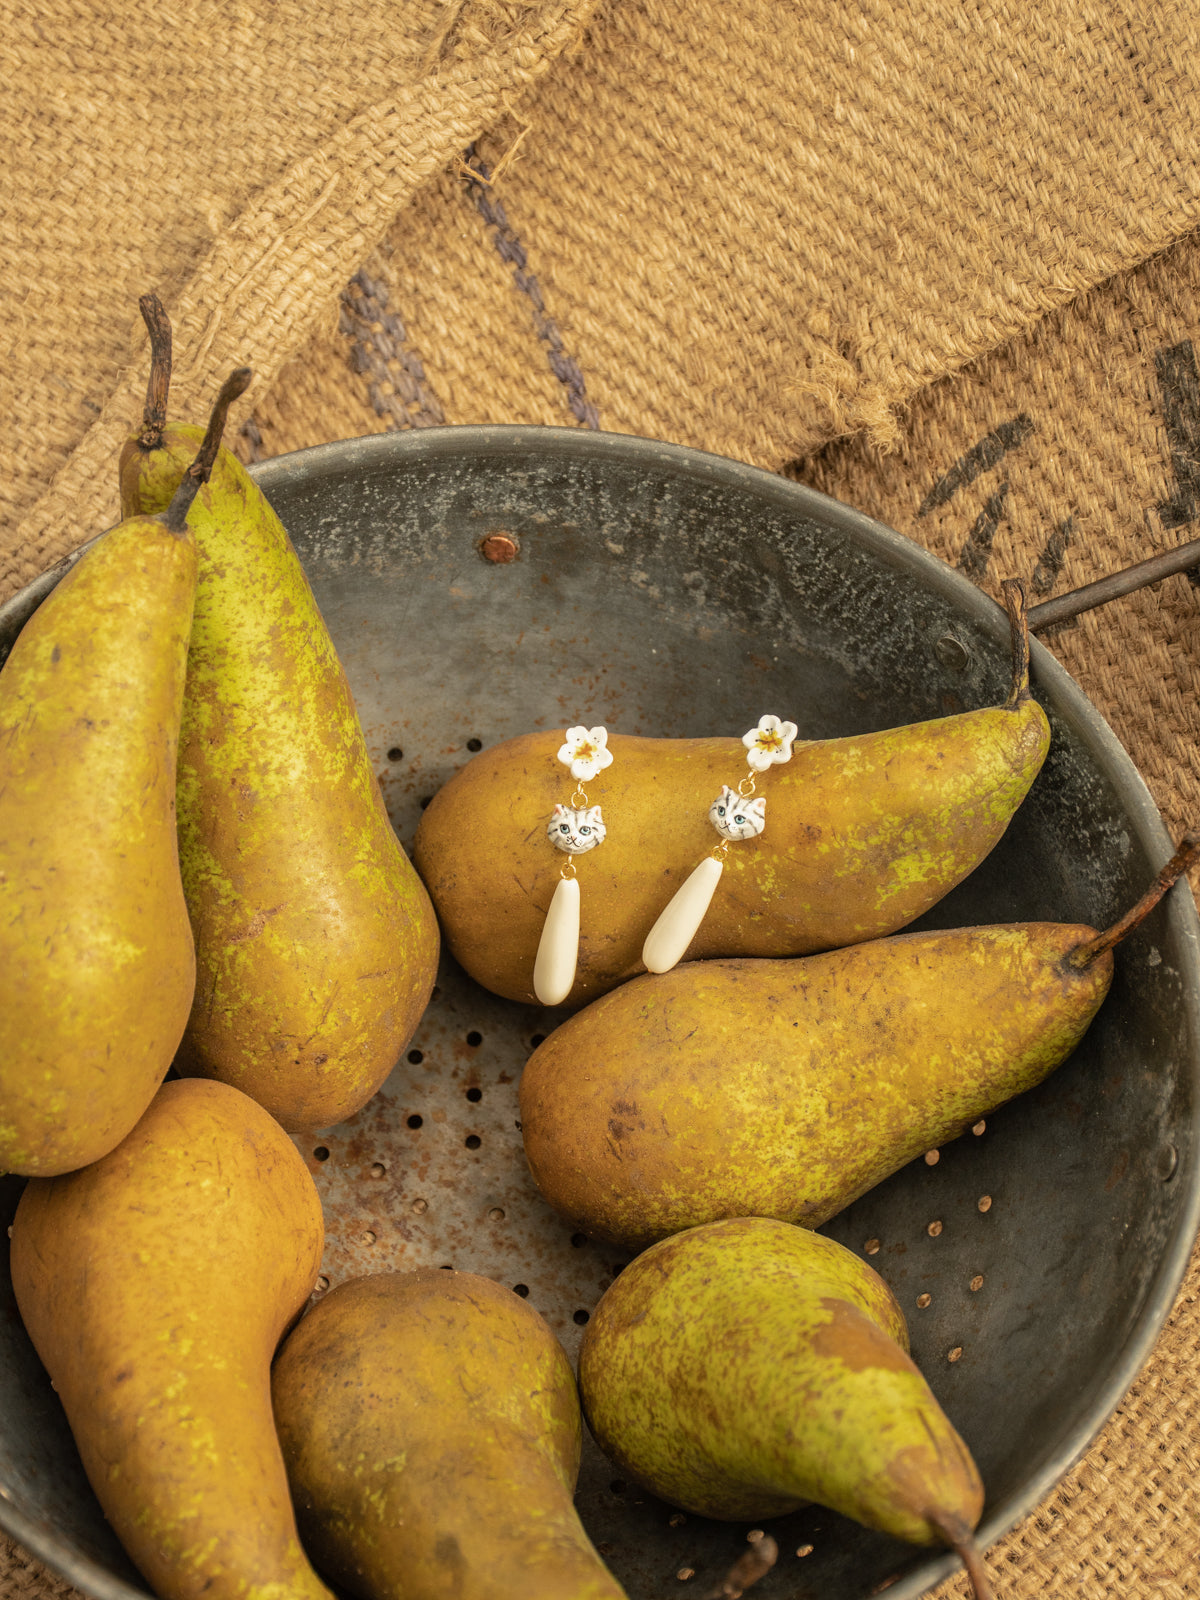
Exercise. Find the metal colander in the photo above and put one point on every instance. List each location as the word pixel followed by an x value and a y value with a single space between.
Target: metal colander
pixel 484 582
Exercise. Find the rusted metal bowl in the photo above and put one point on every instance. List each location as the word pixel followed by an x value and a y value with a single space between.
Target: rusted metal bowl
pixel 482 582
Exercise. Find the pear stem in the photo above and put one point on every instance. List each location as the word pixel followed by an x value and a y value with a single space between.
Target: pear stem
pixel 235 384
pixel 961 1540
pixel 154 416
pixel 1018 622
pixel 1084 954
pixel 747 1569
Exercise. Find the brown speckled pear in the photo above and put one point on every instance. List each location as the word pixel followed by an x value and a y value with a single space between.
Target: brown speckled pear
pixel 316 944
pixel 97 969
pixel 863 835
pixel 745 1368
pixel 155 1285
pixel 431 1428
pixel 788 1088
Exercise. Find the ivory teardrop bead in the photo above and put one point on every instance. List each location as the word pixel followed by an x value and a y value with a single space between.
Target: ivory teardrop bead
pixel 558 948
pixel 676 927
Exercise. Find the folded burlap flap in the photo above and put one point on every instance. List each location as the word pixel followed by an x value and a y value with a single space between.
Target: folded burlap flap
pixel 240 162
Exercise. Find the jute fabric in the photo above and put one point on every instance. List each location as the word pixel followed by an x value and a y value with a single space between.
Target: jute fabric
pixel 935 260
pixel 240 161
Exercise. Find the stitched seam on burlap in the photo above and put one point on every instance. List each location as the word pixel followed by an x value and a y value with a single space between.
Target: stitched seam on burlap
pixel 491 208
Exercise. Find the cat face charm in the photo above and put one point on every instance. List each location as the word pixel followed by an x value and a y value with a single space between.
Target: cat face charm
pixel 735 818
pixel 576 830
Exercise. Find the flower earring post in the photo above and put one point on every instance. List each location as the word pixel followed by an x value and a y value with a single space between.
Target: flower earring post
pixel 735 814
pixel 575 829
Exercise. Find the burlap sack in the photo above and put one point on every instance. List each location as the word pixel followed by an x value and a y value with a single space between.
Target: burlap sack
pixel 240 161
pixel 750 228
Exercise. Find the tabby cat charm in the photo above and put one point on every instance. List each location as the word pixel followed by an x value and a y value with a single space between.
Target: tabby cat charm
pixel 574 829
pixel 735 814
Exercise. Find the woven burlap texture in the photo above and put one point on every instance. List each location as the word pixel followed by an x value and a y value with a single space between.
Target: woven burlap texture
pixel 762 226
pixel 240 161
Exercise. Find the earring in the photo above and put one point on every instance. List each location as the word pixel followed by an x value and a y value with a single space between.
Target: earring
pixel 735 814
pixel 575 829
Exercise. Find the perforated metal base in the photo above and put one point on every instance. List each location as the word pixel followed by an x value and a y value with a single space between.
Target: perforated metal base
pixel 666 593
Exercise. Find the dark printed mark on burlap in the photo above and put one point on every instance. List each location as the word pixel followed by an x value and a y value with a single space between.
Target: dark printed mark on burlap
pixel 251 435
pixel 975 553
pixel 1179 386
pixel 1050 563
pixel 980 458
pixel 512 251
pixel 396 383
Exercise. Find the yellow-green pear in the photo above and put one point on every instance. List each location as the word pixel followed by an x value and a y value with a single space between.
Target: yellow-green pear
pixel 430 1423
pixel 788 1088
pixel 747 1367
pixel 862 835
pixel 155 1285
pixel 97 969
pixel 316 944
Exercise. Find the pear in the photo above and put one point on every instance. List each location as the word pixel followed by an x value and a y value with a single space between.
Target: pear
pixel 746 1367
pixel 431 1428
pixel 155 1285
pixel 316 943
pixel 788 1088
pixel 863 834
pixel 97 969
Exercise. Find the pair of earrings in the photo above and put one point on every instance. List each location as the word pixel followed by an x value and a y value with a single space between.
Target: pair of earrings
pixel 735 814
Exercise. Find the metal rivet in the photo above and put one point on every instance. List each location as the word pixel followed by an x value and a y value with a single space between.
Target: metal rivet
pixel 955 1354
pixel 932 1157
pixel 952 653
pixel 1168 1160
pixel 977 1283
pixel 924 1300
pixel 985 1202
pixel 871 1248
pixel 934 1229
pixel 500 548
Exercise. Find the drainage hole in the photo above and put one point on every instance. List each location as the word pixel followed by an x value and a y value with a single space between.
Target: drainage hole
pixel 474 1094
pixel 472 1141
pixel 321 1153
pixel 522 1289
pixel 395 753
pixel 415 1121
pixel 416 1057
pixel 378 1170
pixel 579 1240
pixel 474 1038
pixel 474 744
pixel 581 1316
pixel 536 1039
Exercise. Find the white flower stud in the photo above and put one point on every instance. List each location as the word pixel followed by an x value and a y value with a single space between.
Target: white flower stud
pixel 735 816
pixel 769 743
pixel 586 752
